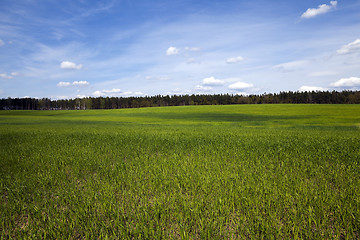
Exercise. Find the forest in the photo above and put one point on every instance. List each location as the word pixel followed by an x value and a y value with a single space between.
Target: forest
pixel 314 97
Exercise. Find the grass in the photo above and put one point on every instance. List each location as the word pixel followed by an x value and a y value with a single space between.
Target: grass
pixel 198 172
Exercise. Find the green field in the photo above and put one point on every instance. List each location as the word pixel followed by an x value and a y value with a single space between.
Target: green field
pixel 195 172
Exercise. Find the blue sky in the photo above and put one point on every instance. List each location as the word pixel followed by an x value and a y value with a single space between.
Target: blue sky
pixel 78 48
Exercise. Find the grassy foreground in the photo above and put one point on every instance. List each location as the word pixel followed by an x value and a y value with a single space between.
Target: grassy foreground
pixel 199 172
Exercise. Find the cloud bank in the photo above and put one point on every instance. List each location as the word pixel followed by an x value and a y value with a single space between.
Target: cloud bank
pixel 347 82
pixel 311 88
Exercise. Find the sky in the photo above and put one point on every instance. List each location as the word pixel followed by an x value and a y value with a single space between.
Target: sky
pixel 77 48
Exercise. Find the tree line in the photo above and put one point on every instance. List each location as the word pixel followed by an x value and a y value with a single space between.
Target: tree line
pixel 314 97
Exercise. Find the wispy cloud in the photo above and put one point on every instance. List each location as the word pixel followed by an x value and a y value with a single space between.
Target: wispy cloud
pixel 202 88
pixel 75 83
pixel 7 76
pixel 158 78
pixel 234 60
pixel 291 66
pixel 1 43
pixel 321 9
pixel 350 48
pixel 192 61
pixel 192 49
pixel 103 6
pixel 116 92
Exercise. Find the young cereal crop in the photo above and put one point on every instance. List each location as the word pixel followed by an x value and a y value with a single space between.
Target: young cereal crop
pixel 197 172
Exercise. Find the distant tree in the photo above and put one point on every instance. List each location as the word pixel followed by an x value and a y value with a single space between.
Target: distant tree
pixel 310 97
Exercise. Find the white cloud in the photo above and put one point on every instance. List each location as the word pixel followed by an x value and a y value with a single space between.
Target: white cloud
pixel 202 88
pixel 61 97
pixel 75 83
pixel 6 76
pixel 347 82
pixel 192 49
pixel 70 65
pixel 116 92
pixel 350 48
pixel 1 43
pixel 179 91
pixel 234 60
pixel 130 93
pixel 311 88
pixel 98 93
pixel 291 66
pixel 172 51
pixel 64 84
pixel 240 86
pixel 80 83
pixel 211 81
pixel 321 9
pixel 176 51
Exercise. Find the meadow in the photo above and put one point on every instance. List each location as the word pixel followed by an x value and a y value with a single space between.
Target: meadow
pixel 192 172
